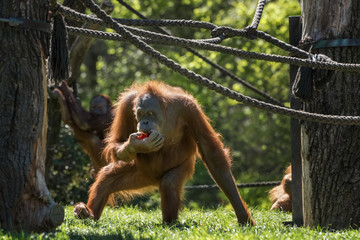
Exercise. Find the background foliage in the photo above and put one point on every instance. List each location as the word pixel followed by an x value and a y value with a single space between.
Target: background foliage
pixel 259 141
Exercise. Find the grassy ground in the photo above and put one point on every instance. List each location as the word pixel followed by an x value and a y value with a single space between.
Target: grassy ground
pixel 134 223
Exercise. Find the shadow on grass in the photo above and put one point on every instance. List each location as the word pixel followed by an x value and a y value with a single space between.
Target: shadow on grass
pixel 126 235
pixel 135 231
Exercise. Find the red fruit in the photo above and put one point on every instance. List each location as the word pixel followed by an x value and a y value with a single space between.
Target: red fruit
pixel 142 135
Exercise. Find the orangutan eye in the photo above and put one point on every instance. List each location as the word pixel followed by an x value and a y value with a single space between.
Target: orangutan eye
pixel 140 112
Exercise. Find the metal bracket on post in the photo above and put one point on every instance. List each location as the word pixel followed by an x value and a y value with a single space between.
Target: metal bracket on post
pixel 27 24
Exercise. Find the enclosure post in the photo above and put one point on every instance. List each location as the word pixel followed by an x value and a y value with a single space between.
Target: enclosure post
pixel 296 168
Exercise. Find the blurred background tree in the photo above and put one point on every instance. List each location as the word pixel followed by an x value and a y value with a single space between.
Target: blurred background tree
pixel 259 141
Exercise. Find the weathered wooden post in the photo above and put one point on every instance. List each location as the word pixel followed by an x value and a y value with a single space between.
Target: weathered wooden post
pixel 296 169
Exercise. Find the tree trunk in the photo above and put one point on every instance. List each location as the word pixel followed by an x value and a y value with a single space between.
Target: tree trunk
pixel 25 201
pixel 331 153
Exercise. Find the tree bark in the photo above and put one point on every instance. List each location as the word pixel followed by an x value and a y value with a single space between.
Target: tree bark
pixel 25 201
pixel 331 153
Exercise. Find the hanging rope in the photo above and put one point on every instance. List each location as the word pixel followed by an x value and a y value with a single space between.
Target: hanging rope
pixel 251 30
pixel 59 53
pixel 258 14
pixel 241 185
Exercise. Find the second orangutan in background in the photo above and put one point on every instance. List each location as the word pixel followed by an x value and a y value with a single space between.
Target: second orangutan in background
pixel 90 127
pixel 280 195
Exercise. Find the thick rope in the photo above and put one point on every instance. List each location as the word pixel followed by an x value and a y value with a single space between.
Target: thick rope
pixel 70 13
pixel 162 38
pixel 73 15
pixel 251 30
pixel 258 14
pixel 229 32
pixel 241 185
pixel 166 23
pixel 349 120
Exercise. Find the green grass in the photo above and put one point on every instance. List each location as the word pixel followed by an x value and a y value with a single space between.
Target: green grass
pixel 134 223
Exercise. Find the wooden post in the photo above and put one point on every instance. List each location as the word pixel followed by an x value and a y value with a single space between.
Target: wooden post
pixel 296 168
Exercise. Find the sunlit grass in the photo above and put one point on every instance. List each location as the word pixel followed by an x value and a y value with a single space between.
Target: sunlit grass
pixel 134 223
